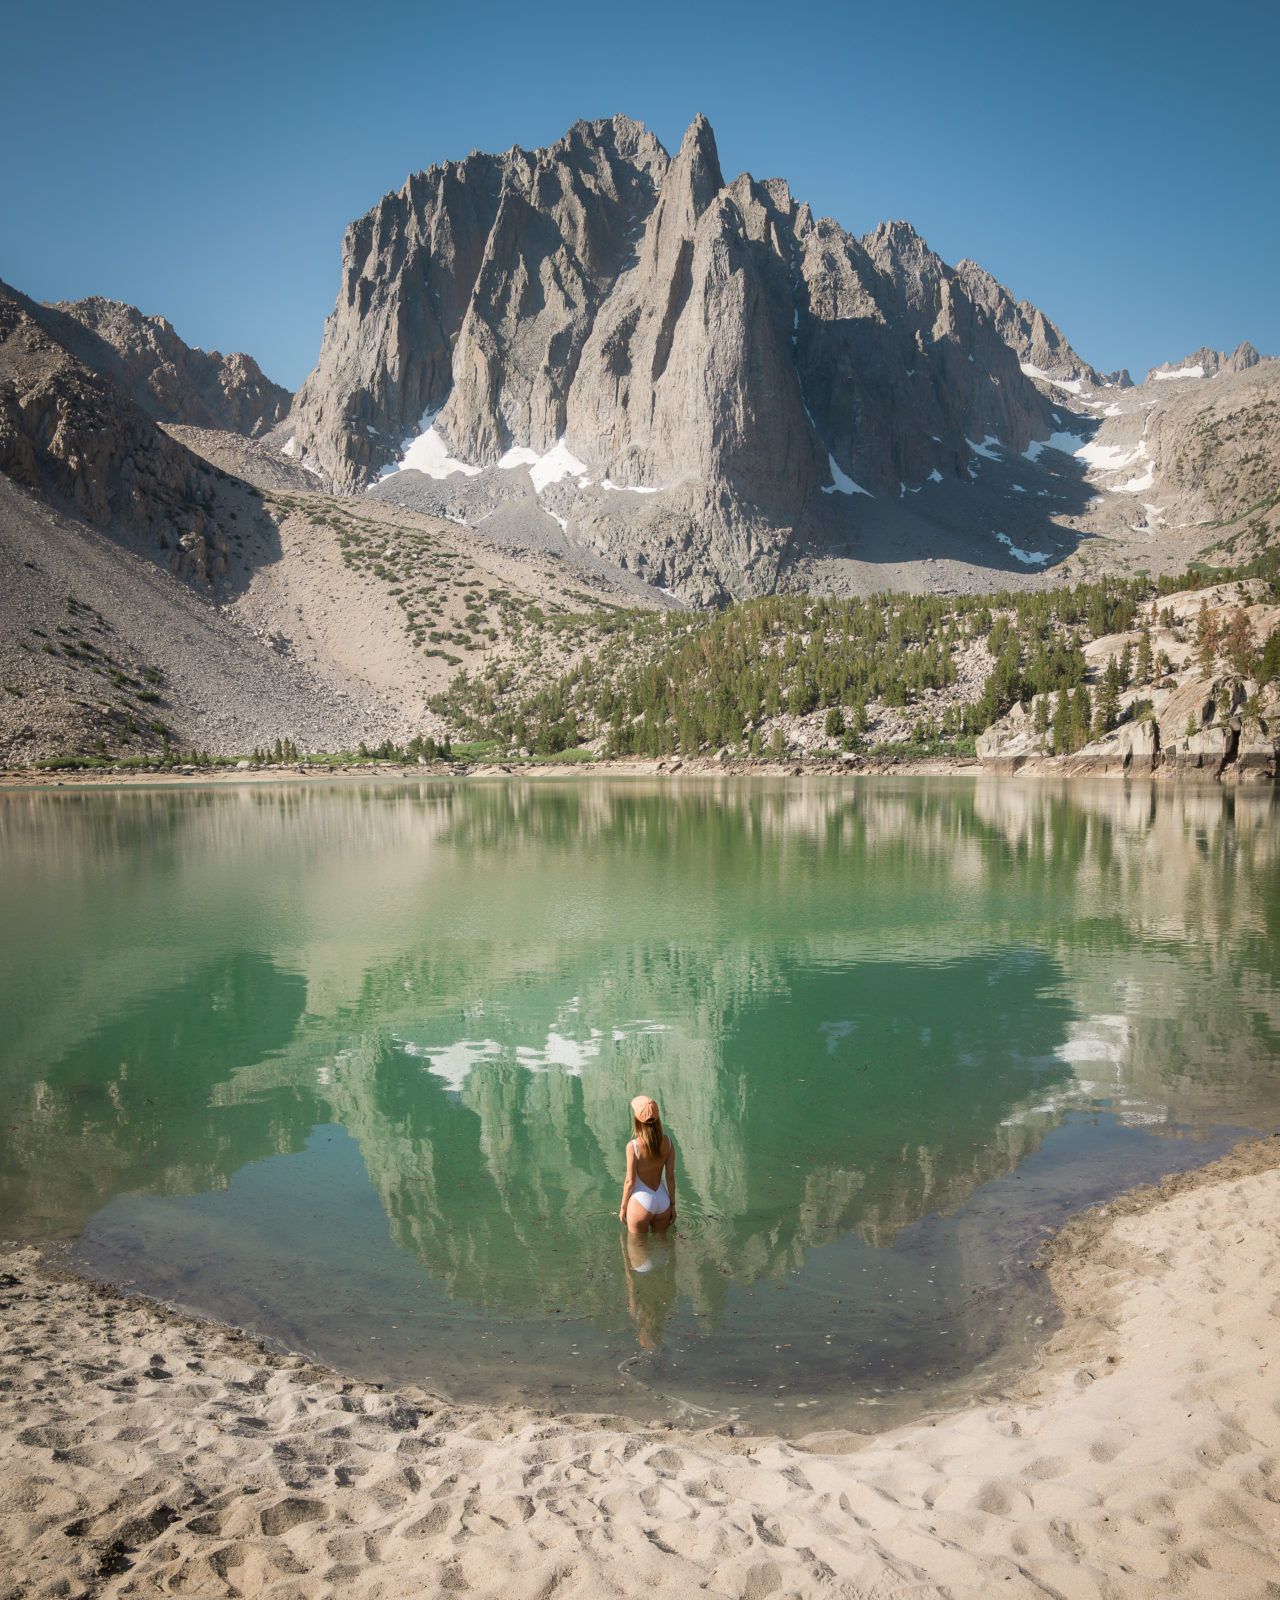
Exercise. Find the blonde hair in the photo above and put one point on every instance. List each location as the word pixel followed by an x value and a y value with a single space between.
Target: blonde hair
pixel 648 1135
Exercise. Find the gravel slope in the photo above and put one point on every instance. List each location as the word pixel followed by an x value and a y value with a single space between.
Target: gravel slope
pixel 97 642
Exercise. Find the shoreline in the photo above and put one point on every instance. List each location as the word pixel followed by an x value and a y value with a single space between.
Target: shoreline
pixel 694 767
pixel 145 1452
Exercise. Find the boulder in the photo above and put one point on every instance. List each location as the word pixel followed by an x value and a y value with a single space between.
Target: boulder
pixel 1257 758
pixel 1207 751
pixel 1258 747
pixel 1197 700
pixel 1010 743
pixel 1140 743
pixel 1131 748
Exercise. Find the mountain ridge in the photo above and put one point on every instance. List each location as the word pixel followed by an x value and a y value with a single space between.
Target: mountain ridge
pixel 707 343
pixel 172 381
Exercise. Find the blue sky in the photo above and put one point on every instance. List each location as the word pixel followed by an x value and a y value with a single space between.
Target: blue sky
pixel 1116 164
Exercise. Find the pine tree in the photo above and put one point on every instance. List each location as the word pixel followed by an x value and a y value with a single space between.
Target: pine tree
pixel 1108 698
pixel 1206 639
pixel 1240 646
pixel 1081 717
pixel 1269 660
pixel 1126 665
pixel 1146 664
pixel 1062 724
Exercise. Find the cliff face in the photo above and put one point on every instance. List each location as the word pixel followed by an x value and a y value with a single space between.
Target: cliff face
pixel 166 377
pixel 727 374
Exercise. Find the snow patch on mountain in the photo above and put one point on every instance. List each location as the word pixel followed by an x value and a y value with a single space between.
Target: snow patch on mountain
pixel 842 483
pixel 429 454
pixel 1029 558
pixel 1071 385
pixel 558 462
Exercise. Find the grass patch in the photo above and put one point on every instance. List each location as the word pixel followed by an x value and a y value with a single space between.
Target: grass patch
pixel 563 758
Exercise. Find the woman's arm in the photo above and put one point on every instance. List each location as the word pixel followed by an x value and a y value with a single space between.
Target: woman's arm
pixel 671 1173
pixel 629 1183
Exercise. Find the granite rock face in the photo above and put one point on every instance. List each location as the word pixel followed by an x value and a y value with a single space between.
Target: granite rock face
pixel 726 373
pixel 1036 341
pixel 903 367
pixel 71 436
pixel 169 379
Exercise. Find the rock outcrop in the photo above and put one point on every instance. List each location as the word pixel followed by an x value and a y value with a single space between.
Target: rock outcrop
pixel 724 375
pixel 70 435
pixel 169 379
pixel 1211 727
pixel 1206 363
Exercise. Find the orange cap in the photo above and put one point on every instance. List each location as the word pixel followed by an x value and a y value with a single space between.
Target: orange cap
pixel 643 1109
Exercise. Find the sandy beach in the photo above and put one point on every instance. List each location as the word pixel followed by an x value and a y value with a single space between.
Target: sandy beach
pixel 146 1454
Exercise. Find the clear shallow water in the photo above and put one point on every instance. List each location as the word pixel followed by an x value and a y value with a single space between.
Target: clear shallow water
pixel 349 1065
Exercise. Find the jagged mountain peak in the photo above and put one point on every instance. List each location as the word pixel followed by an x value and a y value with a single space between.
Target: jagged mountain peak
pixel 695 169
pixel 899 236
pixel 723 372
pixel 625 138
pixel 1206 363
pixel 1040 345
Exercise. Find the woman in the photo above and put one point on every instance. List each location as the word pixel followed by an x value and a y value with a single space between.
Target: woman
pixel 649 1192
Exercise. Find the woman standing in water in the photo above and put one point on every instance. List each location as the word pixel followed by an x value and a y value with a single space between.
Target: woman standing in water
pixel 649 1192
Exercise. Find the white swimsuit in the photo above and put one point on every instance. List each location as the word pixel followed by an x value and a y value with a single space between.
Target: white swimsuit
pixel 655 1201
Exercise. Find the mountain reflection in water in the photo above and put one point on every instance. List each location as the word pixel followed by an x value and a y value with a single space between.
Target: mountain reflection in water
pixel 857 1005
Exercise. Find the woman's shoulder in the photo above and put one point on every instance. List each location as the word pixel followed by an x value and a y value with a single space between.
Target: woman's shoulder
pixel 668 1144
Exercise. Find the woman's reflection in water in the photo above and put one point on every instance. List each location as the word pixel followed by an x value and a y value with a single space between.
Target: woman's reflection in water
pixel 649 1260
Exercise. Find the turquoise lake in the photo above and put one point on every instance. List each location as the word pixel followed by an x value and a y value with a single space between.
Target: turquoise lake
pixel 348 1065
